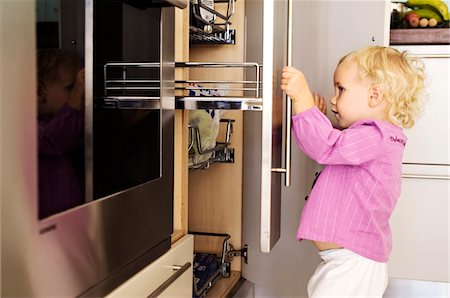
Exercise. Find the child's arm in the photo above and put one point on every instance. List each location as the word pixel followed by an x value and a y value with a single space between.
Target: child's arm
pixel 319 140
pixel 316 136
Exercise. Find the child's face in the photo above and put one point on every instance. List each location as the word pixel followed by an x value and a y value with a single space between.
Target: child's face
pixel 350 102
pixel 56 92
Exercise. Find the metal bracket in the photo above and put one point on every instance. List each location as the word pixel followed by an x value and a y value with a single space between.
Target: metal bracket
pixel 228 252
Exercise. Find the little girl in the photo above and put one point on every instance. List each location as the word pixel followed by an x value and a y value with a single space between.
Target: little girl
pixel 61 131
pixel 377 92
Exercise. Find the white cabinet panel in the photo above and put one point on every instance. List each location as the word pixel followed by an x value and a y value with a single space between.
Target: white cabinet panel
pixel 150 278
pixel 406 288
pixel 428 140
pixel 420 229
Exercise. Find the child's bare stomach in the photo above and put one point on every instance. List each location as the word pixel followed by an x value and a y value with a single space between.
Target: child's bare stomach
pixel 325 245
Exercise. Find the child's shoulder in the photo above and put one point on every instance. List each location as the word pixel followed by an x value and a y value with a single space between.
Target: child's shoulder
pixel 389 131
pixel 380 124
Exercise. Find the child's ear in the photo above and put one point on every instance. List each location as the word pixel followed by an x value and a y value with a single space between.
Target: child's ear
pixel 375 95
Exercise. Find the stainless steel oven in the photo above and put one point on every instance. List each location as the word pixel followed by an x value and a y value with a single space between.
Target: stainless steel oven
pixel 122 166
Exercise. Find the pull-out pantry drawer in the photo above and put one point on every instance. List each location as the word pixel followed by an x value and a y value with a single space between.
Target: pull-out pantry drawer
pixel 168 276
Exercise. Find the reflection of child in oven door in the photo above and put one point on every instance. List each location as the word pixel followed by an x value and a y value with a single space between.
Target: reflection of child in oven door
pixel 61 131
pixel 208 125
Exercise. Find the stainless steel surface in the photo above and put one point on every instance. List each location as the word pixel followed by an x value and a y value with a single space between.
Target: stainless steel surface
pixel 274 58
pixel 433 177
pixel 89 97
pixel 426 56
pixel 263 134
pixel 218 103
pixel 426 164
pixel 71 252
pixel 287 145
pixel 179 270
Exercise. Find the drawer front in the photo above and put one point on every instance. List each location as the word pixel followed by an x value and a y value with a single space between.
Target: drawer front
pixel 163 271
pixel 420 231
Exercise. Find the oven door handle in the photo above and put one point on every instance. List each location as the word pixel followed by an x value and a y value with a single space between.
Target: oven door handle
pixel 179 270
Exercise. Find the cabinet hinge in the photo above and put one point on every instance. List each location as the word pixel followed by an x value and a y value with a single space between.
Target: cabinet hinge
pixel 228 252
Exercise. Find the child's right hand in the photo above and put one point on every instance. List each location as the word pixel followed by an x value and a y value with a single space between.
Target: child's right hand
pixel 293 82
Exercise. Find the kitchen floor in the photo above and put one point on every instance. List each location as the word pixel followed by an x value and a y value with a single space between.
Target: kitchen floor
pixel 397 288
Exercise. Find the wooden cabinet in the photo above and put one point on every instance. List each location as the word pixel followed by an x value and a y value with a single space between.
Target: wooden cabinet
pixel 209 200
pixel 216 196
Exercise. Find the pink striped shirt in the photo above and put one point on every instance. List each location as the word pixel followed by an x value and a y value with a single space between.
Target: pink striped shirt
pixel 357 190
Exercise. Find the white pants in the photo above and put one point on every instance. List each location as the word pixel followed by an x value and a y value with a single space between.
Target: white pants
pixel 344 273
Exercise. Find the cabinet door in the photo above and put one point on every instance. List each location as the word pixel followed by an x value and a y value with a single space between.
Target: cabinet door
pixel 420 230
pixel 428 140
pixel 323 31
pixel 263 132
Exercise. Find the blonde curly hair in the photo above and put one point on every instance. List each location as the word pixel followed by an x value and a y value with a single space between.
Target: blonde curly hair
pixel 400 76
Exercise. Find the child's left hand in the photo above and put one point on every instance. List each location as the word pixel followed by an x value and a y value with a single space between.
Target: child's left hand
pixel 320 103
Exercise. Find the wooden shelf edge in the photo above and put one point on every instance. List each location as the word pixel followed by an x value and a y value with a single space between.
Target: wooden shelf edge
pixel 222 287
pixel 177 235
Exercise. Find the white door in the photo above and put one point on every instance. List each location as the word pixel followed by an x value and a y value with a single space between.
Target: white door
pixel 323 31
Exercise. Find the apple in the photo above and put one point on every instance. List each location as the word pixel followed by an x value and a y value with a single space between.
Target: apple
pixel 413 19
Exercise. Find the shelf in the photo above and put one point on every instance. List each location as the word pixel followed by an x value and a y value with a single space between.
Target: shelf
pixel 218 103
pixel 424 36
pixel 208 26
pixel 200 158
pixel 137 85
pixel 223 286
pixel 240 94
pixel 199 36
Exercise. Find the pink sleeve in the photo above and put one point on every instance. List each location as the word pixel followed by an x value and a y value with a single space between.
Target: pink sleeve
pixel 317 138
pixel 62 134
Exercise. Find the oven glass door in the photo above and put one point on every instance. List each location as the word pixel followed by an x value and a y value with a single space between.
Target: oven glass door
pixel 127 148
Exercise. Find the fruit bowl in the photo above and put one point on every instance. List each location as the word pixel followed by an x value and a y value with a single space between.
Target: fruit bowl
pixel 419 22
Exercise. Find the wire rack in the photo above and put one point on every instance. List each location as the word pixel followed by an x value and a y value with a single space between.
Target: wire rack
pixel 213 30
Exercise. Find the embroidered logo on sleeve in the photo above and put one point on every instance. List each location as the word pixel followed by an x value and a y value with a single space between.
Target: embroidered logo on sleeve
pixel 397 140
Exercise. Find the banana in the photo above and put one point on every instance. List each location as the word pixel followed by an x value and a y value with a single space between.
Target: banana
pixel 424 13
pixel 437 5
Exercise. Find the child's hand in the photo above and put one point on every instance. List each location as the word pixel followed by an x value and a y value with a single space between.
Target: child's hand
pixel 293 82
pixel 319 102
pixel 76 97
